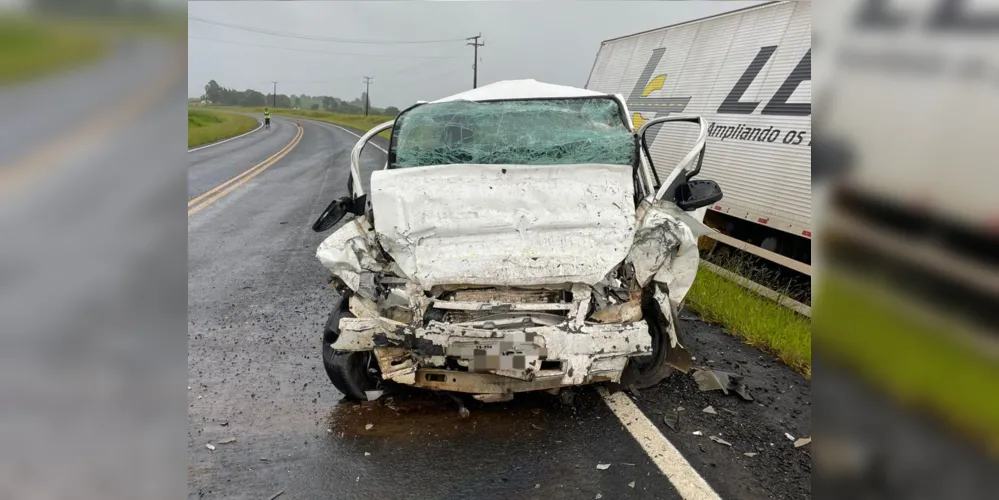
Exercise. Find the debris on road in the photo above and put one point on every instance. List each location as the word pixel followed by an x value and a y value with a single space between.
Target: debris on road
pixel 750 454
pixel 710 409
pixel 698 433
pixel 714 380
pixel 719 440
pixel 672 419
pixel 599 496
pixel 603 466
pixel 537 485
pixel 210 446
pixel 368 427
pixel 631 484
pixel 227 440
pixel 802 442
pixel 789 436
pixel 276 495
pixel 373 395
pixel 367 454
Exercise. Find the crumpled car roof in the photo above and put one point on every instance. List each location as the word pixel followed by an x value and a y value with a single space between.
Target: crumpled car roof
pixel 520 89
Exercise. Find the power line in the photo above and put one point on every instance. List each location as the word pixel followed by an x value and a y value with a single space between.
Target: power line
pixel 475 60
pixel 296 49
pixel 317 38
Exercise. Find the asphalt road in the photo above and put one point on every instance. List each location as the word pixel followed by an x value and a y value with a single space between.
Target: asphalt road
pixel 257 300
pixel 90 293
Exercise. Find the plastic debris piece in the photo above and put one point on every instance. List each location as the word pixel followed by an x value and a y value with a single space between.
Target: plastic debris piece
pixel 679 408
pixel 750 454
pixel 276 495
pixel 710 409
pixel 631 484
pixel 329 430
pixel 719 440
pixel 715 380
pixel 599 496
pixel 672 419
pixel 603 466
pixel 802 442
pixel 210 446
pixel 789 436
pixel 698 433
pixel 368 427
pixel 227 441
pixel 537 485
pixel 373 395
pixel 367 454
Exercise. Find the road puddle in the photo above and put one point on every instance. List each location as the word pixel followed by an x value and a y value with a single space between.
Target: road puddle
pixel 414 414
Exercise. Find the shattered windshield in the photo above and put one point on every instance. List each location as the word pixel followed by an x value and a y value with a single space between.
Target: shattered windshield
pixel 521 132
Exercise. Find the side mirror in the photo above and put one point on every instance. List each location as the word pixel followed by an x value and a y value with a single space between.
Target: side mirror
pixel 695 194
pixel 333 214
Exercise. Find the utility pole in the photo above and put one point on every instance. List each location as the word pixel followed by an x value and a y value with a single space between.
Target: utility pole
pixel 274 95
pixel 367 93
pixel 475 62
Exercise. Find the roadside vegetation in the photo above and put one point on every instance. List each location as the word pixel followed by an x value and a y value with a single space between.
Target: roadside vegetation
pixel 759 321
pixel 919 359
pixel 205 126
pixel 33 48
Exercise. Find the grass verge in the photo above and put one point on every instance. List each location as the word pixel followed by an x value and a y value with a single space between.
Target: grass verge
pixel 920 363
pixel 205 126
pixel 358 122
pixel 35 47
pixel 761 322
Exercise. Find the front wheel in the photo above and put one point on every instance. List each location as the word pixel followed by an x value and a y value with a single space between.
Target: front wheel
pixel 352 372
pixel 655 369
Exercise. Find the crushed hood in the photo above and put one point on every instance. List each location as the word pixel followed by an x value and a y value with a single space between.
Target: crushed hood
pixel 512 225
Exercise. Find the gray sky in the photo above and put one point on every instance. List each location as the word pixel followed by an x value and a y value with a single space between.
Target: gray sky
pixel 553 42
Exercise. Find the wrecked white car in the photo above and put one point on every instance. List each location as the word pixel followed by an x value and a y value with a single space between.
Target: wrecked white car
pixel 517 239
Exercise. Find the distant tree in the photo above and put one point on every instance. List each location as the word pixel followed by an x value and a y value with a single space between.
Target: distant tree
pixel 298 102
pixel 213 92
pixel 391 111
pixel 253 99
pixel 315 107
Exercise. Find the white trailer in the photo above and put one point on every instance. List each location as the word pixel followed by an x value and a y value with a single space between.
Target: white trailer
pixel 748 74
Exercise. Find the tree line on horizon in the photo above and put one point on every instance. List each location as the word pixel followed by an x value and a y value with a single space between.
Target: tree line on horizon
pixel 221 96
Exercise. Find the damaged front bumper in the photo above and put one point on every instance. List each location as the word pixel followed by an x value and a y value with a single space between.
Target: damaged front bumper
pixel 464 358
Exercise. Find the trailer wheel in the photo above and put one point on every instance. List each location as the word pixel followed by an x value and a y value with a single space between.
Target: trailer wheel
pixel 350 371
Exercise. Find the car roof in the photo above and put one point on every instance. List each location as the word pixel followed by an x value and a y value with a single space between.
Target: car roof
pixel 521 89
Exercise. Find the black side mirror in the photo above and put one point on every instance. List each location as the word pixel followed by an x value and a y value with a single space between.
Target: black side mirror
pixel 333 214
pixel 692 194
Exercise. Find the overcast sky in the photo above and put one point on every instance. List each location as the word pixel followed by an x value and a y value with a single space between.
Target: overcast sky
pixel 551 41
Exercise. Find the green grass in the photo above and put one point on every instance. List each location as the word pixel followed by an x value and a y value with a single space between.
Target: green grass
pixel 918 363
pixel 757 320
pixel 359 122
pixel 204 126
pixel 33 48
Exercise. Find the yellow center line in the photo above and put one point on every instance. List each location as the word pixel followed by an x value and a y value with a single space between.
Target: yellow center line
pixel 228 186
pixel 47 157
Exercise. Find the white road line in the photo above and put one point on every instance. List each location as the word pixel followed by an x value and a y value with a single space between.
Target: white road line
pixel 351 132
pixel 259 124
pixel 685 479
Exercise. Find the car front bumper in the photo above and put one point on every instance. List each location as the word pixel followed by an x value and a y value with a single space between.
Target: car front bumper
pixel 461 358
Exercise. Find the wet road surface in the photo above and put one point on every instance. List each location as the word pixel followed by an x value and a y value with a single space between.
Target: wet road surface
pixel 257 301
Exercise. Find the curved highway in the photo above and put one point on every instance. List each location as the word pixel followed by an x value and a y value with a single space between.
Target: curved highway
pixel 257 301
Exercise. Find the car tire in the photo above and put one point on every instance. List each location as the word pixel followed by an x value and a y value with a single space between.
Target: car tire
pixel 654 371
pixel 348 370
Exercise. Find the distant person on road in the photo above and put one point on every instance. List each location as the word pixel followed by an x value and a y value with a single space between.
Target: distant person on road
pixel 267 118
